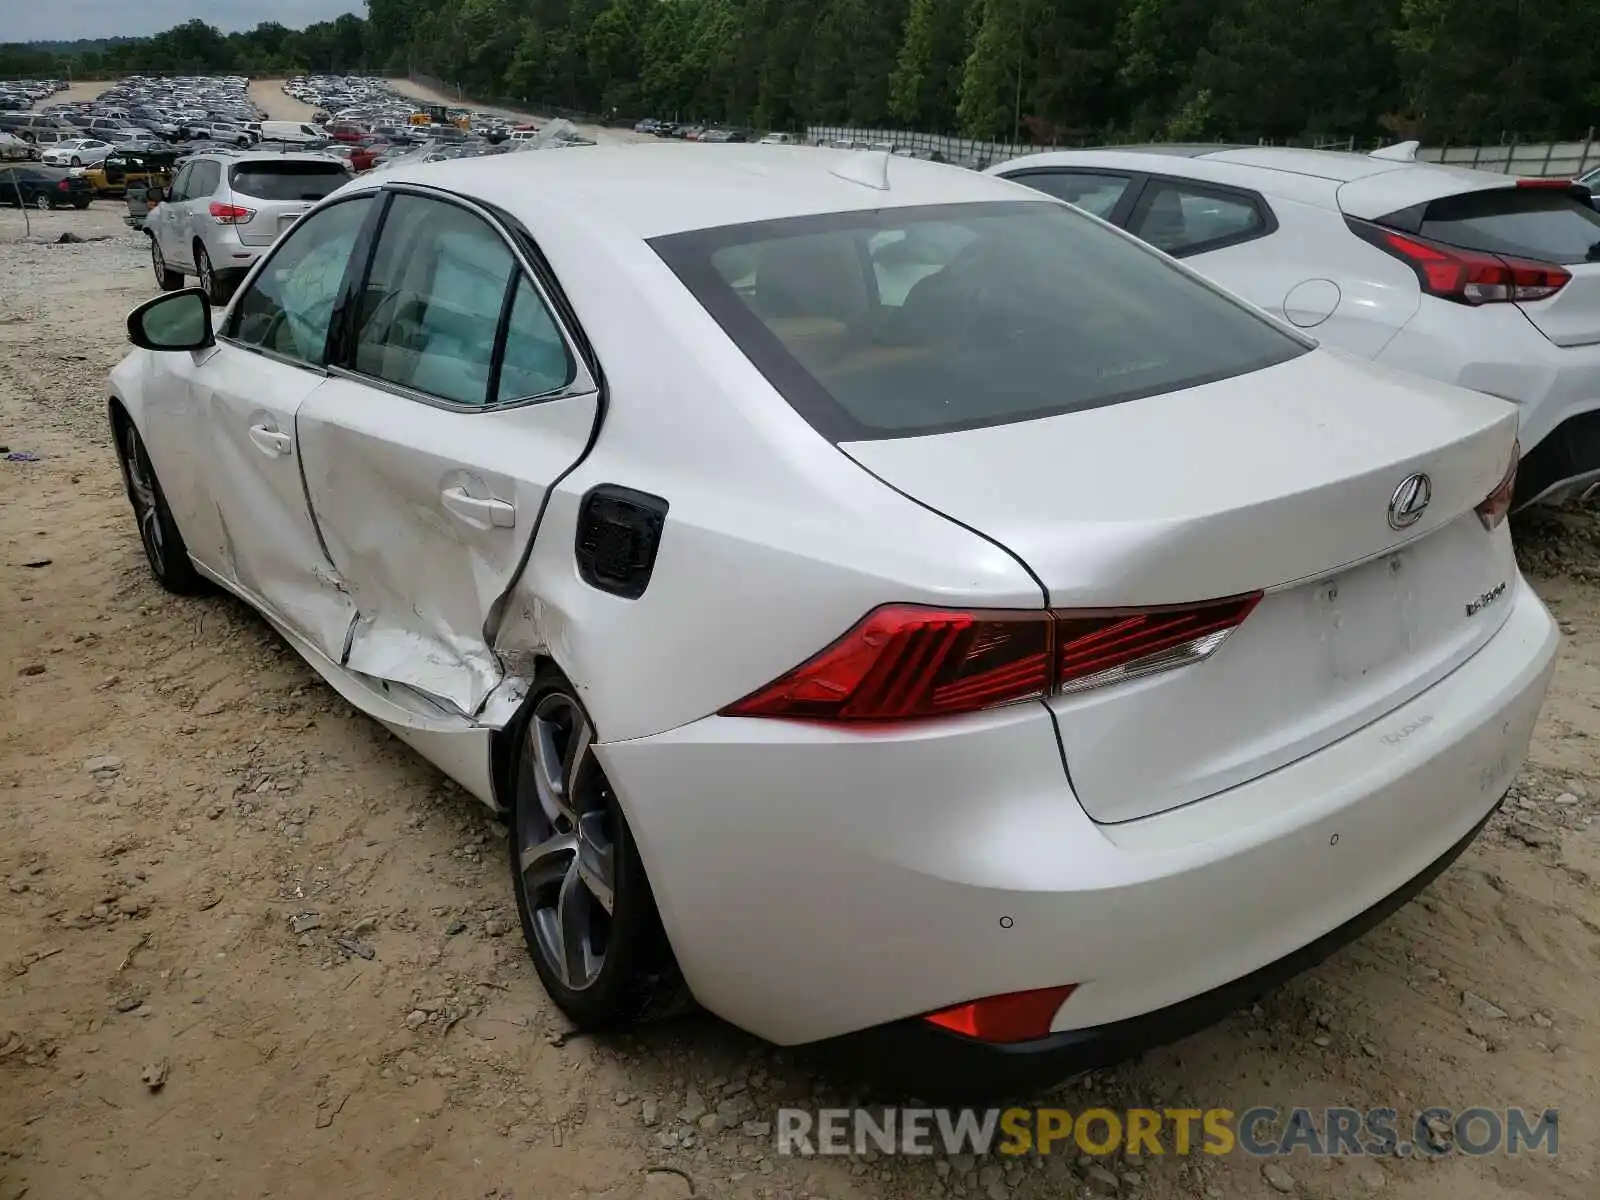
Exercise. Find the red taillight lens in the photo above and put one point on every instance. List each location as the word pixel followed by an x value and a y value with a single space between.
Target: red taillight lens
pixel 1097 649
pixel 1466 276
pixel 903 661
pixel 230 214
pixel 906 661
pixel 1492 512
pixel 1014 1017
pixel 63 186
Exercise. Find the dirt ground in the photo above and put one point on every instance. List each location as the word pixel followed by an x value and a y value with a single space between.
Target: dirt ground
pixel 216 876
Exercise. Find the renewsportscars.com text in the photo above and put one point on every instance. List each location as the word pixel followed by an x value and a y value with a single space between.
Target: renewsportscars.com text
pixel 1262 1131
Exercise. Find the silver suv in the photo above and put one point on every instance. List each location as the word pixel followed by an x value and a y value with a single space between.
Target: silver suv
pixel 225 210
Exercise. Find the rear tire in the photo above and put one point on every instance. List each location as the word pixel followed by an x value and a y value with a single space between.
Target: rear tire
pixel 164 548
pixel 588 915
pixel 218 288
pixel 167 280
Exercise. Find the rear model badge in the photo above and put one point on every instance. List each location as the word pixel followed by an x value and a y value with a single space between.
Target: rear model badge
pixel 1410 501
pixel 1474 607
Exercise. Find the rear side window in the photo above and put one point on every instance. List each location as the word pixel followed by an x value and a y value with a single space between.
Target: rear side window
pixel 1183 218
pixel 287 180
pixel 1093 191
pixel 1549 225
pixel 905 321
pixel 207 175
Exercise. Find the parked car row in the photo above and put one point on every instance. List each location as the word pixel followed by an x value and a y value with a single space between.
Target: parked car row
pixel 19 95
pixel 1077 650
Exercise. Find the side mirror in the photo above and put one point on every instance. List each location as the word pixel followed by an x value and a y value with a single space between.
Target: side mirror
pixel 178 321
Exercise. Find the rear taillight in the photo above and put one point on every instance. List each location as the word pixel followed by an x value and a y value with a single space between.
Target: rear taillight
pixel 1097 649
pixel 904 661
pixel 1014 1017
pixel 230 214
pixel 1465 276
pixel 1492 512
pixel 63 186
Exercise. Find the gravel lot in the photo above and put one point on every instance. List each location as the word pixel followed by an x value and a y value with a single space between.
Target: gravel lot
pixel 195 832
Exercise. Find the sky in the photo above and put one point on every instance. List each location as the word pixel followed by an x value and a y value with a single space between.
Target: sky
pixel 66 20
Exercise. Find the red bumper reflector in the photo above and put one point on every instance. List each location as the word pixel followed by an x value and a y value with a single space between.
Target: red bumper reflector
pixel 1013 1017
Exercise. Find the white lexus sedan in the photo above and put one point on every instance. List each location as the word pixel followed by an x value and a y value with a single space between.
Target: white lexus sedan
pixel 891 608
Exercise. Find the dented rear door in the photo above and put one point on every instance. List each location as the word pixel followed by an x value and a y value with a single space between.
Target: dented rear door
pixel 429 452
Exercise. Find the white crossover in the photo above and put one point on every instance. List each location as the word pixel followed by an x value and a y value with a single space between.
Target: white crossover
pixel 1478 279
pixel 891 607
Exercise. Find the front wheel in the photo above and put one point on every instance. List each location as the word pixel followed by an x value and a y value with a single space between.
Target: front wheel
pixel 588 915
pixel 76 161
pixel 163 544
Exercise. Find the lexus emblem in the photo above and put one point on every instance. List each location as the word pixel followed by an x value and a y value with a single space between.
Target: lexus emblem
pixel 1410 501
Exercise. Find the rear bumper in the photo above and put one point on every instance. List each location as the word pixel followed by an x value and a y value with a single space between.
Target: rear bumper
pixel 930 1062
pixel 817 883
pixel 1564 465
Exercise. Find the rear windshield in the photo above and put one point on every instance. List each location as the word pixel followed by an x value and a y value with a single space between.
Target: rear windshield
pixel 906 321
pixel 1549 225
pixel 288 180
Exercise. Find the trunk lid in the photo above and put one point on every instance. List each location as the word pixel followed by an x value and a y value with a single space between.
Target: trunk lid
pixel 279 192
pixel 1537 221
pixel 1572 316
pixel 1279 480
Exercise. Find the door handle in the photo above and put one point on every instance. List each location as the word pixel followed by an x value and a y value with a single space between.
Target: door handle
pixel 271 441
pixel 496 513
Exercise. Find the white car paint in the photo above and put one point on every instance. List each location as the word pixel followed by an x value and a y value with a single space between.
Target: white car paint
pixel 87 152
pixel 1543 355
pixel 820 878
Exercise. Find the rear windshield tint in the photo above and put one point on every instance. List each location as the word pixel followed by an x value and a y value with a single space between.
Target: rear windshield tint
pixel 288 180
pixel 906 321
pixel 1539 223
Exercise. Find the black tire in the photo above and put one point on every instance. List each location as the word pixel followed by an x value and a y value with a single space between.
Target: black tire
pixel 219 288
pixel 167 280
pixel 628 972
pixel 163 545
pixel 80 205
pixel 76 161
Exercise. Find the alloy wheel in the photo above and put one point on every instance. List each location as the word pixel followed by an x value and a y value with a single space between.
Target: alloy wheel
pixel 204 267
pixel 142 490
pixel 566 843
pixel 42 202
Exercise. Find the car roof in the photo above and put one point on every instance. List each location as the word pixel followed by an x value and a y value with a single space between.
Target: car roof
pixel 657 189
pixel 1366 186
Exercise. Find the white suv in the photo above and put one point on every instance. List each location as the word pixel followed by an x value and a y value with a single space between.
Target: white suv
pixel 1477 279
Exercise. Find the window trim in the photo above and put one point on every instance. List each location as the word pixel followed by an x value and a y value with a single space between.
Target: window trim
pixel 360 250
pixel 341 364
pixel 1222 191
pixel 1120 211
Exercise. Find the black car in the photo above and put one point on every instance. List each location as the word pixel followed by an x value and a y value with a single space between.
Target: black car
pixel 44 187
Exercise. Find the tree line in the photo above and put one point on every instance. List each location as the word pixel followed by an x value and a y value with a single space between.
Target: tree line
pixel 1050 70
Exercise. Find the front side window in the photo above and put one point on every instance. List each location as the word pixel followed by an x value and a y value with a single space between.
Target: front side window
pixel 431 308
pixel 905 321
pixel 288 307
